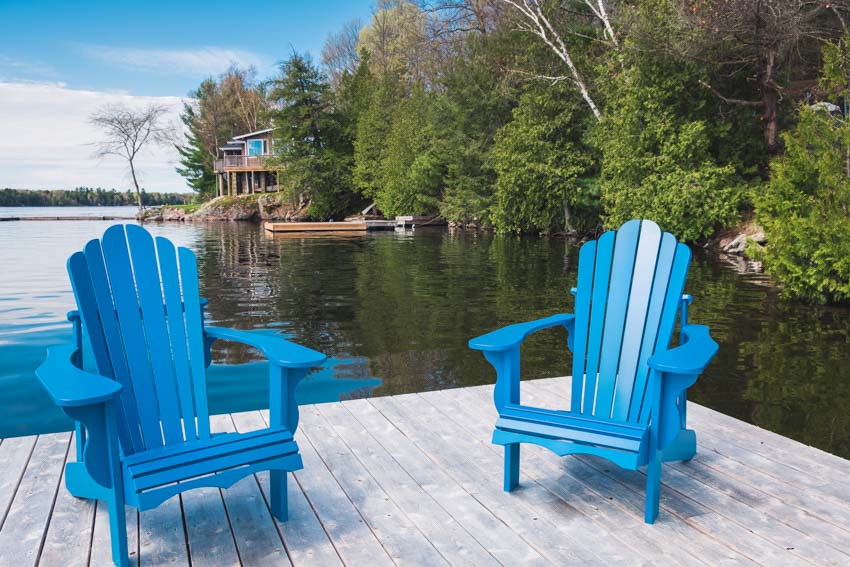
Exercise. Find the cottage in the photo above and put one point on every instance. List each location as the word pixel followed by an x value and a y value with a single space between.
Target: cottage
pixel 244 164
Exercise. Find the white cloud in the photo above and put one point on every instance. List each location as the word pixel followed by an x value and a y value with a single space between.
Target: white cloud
pixel 15 68
pixel 45 140
pixel 198 61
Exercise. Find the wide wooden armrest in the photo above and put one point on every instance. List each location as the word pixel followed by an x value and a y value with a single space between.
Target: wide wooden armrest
pixel 279 351
pixel 512 336
pixel 690 357
pixel 68 385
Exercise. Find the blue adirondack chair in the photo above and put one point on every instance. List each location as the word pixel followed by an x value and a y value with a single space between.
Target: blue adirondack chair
pixel 628 396
pixel 143 428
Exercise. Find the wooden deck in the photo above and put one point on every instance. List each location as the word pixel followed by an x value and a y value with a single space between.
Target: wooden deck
pixel 413 480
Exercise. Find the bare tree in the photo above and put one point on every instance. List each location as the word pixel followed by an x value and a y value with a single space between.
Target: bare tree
pixel 536 22
pixel 339 54
pixel 769 43
pixel 126 132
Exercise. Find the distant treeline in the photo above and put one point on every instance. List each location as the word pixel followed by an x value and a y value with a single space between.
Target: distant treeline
pixel 84 197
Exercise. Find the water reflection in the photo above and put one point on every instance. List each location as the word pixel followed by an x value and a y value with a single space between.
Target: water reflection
pixel 400 307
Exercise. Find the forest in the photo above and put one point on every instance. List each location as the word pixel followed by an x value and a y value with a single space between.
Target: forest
pixel 84 197
pixel 567 116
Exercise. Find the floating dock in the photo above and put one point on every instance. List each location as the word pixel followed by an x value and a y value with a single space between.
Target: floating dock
pixel 346 226
pixel 414 480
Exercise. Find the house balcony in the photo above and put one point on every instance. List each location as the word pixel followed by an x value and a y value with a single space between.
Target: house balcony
pixel 242 163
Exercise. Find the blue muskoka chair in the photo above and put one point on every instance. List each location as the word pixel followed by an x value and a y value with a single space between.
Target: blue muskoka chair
pixel 142 422
pixel 628 397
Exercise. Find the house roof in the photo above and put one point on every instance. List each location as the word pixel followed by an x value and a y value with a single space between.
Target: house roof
pixel 248 135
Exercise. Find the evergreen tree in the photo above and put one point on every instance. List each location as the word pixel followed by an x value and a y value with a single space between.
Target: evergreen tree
pixel 196 163
pixel 313 156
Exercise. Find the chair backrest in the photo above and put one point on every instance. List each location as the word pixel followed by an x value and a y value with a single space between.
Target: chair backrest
pixel 141 309
pixel 630 284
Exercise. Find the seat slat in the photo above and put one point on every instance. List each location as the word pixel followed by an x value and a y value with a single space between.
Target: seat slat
pixel 215 464
pixel 167 255
pixel 601 277
pixel 622 269
pixel 207 450
pixel 636 318
pixel 627 430
pixel 143 258
pixel 560 425
pixel 122 284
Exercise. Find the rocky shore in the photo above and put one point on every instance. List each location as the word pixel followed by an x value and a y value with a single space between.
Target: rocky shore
pixel 257 208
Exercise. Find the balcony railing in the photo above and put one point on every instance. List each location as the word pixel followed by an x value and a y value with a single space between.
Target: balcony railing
pixel 241 163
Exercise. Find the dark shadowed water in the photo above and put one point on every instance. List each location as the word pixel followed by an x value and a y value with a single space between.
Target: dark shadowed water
pixel 395 310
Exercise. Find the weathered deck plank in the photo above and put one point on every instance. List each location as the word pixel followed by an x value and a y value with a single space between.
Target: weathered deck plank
pixel 413 479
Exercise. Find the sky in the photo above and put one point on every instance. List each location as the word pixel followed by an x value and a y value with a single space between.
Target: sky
pixel 61 60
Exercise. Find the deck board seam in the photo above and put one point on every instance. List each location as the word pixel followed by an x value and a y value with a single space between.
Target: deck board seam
pixel 18 483
pixel 310 503
pixel 422 488
pixel 52 503
pixel 459 481
pixel 230 525
pixel 383 489
pixel 576 479
pixel 414 481
pixel 348 497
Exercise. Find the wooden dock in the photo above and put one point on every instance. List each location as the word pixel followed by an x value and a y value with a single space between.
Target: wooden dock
pixel 345 226
pixel 414 480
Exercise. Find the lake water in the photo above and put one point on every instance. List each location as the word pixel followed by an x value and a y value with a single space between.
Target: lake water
pixel 395 310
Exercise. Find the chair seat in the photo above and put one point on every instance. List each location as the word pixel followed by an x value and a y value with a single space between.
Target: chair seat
pixel 566 426
pixel 224 453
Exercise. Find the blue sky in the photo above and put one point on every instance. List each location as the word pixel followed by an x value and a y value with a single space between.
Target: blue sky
pixel 59 60
pixel 159 48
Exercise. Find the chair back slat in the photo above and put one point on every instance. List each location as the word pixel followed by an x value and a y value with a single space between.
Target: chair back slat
pixel 661 281
pixel 151 305
pixel 672 301
pixel 601 276
pixel 619 290
pixel 195 326
pixel 636 319
pixel 630 282
pixel 586 262
pixel 108 322
pixel 102 329
pixel 140 305
pixel 177 332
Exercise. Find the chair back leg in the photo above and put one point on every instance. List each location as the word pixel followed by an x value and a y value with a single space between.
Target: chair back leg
pixel 511 466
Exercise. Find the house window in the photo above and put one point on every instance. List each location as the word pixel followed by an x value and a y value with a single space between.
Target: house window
pixel 255 147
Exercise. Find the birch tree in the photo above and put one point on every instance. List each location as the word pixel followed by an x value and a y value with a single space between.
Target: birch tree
pixel 536 22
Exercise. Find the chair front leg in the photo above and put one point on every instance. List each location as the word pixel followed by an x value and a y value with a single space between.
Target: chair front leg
pixel 506 391
pixel 283 411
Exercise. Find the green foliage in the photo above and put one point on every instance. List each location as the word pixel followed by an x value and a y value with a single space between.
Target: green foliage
pixel 373 127
pixel 84 197
pixel 313 153
pixel 413 164
pixel 659 148
pixel 538 162
pixel 196 163
pixel 805 209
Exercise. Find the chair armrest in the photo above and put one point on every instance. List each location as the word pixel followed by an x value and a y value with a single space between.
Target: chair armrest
pixel 279 351
pixel 512 336
pixel 691 357
pixel 69 386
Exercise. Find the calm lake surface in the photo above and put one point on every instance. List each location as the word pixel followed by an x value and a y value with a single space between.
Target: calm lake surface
pixel 395 310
